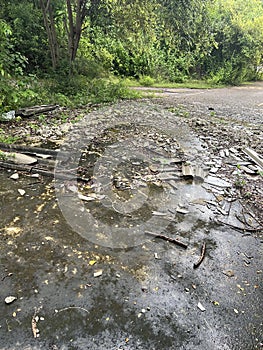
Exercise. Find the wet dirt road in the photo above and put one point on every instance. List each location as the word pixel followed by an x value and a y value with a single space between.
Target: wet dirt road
pixel 239 102
pixel 72 293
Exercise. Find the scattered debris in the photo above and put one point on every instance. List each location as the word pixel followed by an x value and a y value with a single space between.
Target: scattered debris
pixel 34 328
pixel 8 116
pixel 21 191
pixel 156 256
pixel 254 156
pixel 92 262
pixel 20 158
pixel 248 229
pixel 35 110
pixel 10 299
pixel 217 182
pixel 182 211
pixel 168 239
pixel 85 198
pixel 15 176
pixel 229 273
pixel 201 256
pixel 201 307
pixel 70 308
pixel 187 170
pixel 8 275
pixel 98 273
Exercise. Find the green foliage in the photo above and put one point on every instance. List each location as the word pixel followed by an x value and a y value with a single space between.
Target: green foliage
pixel 3 156
pixel 145 80
pixel 175 41
pixel 4 138
pixel 238 28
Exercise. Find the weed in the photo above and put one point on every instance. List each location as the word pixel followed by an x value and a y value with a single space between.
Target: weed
pixel 4 138
pixel 179 111
pixel 42 118
pixel 3 155
pixel 240 181
pixel 145 80
pixel 33 126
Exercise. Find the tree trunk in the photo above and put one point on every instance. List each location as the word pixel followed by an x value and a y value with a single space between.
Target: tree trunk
pixel 75 27
pixel 49 23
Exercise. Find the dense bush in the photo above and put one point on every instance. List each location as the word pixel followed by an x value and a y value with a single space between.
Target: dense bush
pixel 151 41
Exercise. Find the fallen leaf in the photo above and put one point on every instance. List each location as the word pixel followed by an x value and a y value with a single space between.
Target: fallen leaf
pixel 92 262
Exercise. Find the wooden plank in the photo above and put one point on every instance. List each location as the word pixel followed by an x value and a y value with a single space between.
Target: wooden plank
pixel 27 149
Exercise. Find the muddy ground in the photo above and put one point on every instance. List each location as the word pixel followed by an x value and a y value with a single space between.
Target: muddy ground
pixel 105 284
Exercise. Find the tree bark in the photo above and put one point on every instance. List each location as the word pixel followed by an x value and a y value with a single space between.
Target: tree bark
pixel 49 23
pixel 75 26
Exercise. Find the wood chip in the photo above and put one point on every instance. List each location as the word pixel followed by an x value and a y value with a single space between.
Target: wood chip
pixel 201 307
pixel 98 273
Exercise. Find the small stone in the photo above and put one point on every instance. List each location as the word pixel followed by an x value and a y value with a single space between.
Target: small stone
pixel 21 191
pixel 10 299
pixel 15 176
pixel 182 211
pixel 222 153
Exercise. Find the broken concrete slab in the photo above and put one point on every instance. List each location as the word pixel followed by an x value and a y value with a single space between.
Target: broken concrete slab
pixel 254 156
pixel 217 182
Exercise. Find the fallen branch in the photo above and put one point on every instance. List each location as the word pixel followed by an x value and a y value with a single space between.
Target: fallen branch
pixel 73 307
pixel 168 239
pixel 254 156
pixel 30 111
pixel 28 149
pixel 248 229
pixel 49 173
pixel 201 256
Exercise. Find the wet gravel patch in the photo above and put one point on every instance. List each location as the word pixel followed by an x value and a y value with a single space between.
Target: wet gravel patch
pixel 81 295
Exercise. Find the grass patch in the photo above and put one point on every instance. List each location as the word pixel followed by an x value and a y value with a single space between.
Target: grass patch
pixel 191 84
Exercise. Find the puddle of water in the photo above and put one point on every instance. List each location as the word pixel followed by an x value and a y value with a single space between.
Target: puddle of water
pixel 146 296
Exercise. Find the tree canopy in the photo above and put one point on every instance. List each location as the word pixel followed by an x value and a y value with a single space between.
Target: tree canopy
pixel 175 40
